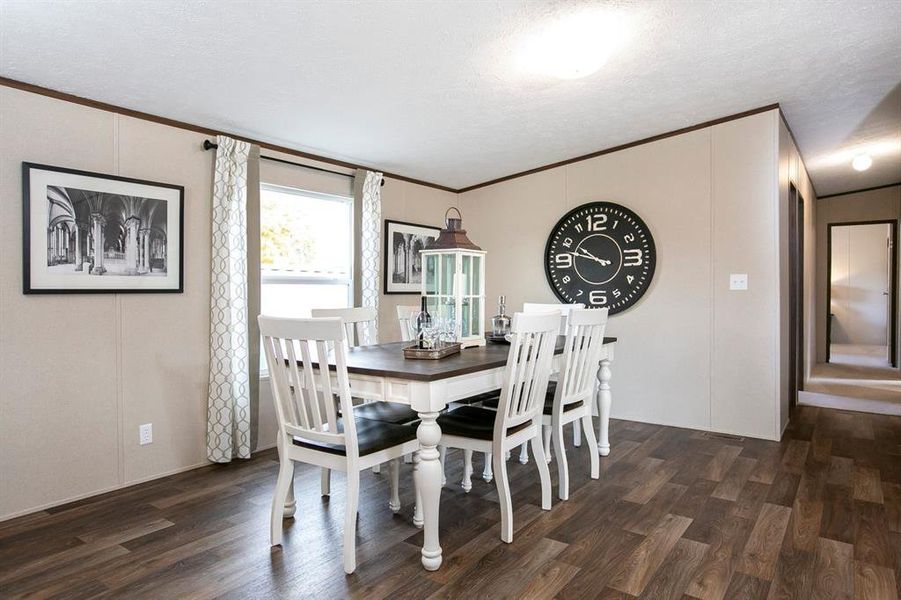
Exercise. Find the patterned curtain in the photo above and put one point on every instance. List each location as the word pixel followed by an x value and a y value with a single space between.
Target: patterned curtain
pixel 228 417
pixel 370 244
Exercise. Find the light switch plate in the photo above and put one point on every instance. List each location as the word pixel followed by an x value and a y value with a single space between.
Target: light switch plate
pixel 738 281
pixel 145 434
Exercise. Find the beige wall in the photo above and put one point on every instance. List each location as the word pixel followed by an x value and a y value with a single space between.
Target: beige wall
pixel 79 373
pixel 874 205
pixel 691 353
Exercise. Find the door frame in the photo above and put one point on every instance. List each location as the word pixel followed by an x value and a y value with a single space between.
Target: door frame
pixel 796 240
pixel 893 284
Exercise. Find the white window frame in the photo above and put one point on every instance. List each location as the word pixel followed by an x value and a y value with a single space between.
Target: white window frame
pixel 267 277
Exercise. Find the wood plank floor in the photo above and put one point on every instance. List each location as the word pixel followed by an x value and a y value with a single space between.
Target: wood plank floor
pixel 676 514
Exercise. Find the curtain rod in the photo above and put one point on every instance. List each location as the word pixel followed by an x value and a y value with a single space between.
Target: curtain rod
pixel 208 145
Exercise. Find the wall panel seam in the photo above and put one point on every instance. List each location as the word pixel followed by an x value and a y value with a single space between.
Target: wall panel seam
pixel 711 352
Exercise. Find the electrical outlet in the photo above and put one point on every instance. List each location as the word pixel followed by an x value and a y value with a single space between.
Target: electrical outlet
pixel 145 434
pixel 738 281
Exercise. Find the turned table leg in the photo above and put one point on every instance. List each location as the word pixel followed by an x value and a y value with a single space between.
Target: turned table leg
pixel 604 400
pixel 428 480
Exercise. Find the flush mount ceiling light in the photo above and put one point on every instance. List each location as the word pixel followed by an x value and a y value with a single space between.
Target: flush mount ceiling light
pixel 572 47
pixel 862 162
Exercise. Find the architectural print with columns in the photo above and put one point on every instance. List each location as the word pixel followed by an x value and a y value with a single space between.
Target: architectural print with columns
pixel 97 233
pixel 407 266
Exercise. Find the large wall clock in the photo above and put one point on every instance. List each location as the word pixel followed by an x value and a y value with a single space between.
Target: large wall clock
pixel 602 255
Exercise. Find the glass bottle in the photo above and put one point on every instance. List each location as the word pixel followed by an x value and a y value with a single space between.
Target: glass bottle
pixel 424 327
pixel 500 323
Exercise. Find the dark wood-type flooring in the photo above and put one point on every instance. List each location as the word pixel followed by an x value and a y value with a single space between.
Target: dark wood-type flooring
pixel 676 514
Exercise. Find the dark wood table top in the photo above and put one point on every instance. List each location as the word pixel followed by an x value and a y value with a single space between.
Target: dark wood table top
pixel 387 360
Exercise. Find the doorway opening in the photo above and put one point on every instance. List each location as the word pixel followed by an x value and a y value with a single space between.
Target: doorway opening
pixel 861 328
pixel 796 293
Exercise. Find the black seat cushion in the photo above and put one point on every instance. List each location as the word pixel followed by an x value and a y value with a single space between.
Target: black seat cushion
pixel 492 402
pixel 372 436
pixel 549 406
pixel 473 422
pixel 548 400
pixel 478 398
pixel 387 412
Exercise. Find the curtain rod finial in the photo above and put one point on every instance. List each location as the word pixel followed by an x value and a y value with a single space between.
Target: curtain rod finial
pixel 208 145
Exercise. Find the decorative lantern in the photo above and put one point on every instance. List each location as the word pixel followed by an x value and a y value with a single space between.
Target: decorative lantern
pixel 453 281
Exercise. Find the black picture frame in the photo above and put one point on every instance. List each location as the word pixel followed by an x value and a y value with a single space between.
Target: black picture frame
pixel 390 286
pixel 36 275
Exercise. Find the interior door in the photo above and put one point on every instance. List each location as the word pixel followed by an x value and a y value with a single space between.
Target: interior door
pixel 885 294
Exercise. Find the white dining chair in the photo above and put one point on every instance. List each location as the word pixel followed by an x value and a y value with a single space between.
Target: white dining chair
pixel 564 310
pixel 311 431
pixel 405 320
pixel 518 416
pixel 359 323
pixel 570 400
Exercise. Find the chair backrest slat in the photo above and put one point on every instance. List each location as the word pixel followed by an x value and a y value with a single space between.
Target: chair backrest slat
pixel 565 309
pixel 581 355
pixel 406 321
pixel 297 378
pixel 528 369
pixel 303 392
pixel 359 323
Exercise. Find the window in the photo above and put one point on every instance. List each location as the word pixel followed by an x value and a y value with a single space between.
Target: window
pixel 306 251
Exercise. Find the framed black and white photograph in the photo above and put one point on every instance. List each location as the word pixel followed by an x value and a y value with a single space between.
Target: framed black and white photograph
pixel 93 233
pixel 403 263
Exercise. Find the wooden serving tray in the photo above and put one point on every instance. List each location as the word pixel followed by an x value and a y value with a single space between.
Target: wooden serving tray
pixel 431 353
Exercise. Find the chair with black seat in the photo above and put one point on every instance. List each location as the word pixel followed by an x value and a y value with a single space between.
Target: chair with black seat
pixel 360 326
pixel 569 401
pixel 565 310
pixel 517 419
pixel 310 430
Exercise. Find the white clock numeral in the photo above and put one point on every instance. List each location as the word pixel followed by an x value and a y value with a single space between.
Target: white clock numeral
pixel 566 279
pixel 615 223
pixel 578 227
pixel 629 238
pixel 568 242
pixel 617 293
pixel 579 293
pixel 629 278
pixel 633 258
pixel 564 261
pixel 597 297
pixel 596 222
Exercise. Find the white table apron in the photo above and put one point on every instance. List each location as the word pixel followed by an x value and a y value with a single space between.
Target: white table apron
pixel 428 398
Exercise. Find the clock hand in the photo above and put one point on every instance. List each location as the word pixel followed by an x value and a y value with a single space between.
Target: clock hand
pixel 591 256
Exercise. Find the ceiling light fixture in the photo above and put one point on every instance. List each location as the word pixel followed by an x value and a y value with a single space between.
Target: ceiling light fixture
pixel 862 162
pixel 572 47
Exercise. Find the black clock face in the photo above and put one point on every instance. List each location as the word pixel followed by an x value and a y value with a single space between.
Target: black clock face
pixel 602 255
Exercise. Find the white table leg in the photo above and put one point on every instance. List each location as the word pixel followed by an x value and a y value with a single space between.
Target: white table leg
pixel 428 480
pixel 487 473
pixel 417 508
pixel 604 401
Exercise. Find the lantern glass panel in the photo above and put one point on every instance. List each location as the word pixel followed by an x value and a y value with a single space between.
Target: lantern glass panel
pixel 466 330
pixel 448 269
pixel 431 274
pixel 476 274
pixel 467 275
pixel 475 315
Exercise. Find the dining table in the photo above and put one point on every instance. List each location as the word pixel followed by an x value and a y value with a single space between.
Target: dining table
pixel 381 372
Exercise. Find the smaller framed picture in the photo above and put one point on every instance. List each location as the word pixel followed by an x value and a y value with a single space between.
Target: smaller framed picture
pixel 93 233
pixel 403 263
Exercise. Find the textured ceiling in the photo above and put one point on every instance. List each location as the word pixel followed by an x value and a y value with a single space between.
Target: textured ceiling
pixel 429 89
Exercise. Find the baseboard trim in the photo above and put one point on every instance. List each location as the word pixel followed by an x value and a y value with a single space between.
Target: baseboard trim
pixel 821 400
pixel 113 488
